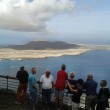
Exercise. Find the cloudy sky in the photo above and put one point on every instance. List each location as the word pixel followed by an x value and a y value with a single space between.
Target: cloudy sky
pixel 75 21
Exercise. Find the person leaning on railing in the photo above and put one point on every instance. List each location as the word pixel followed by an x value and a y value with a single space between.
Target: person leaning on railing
pixel 22 76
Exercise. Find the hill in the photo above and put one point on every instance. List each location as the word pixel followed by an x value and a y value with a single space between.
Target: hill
pixel 44 45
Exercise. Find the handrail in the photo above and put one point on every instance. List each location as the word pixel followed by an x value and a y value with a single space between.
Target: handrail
pixel 9 83
pixel 8 77
pixel 6 82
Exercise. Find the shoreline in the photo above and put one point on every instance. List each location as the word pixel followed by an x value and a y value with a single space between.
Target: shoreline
pixel 11 54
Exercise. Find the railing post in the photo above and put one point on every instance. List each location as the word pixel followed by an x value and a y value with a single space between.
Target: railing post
pixel 7 82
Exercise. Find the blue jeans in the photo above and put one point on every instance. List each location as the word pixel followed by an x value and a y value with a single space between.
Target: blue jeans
pixel 33 99
pixel 46 96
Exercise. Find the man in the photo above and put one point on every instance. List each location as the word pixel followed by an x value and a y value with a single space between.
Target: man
pixel 33 88
pixel 46 84
pixel 22 76
pixel 61 80
pixel 90 85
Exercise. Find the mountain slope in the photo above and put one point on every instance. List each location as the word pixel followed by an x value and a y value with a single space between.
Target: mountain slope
pixel 43 45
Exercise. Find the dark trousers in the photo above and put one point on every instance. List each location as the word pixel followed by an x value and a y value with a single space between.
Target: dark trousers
pixel 102 105
pixel 90 102
pixel 46 96
pixel 22 88
pixel 33 100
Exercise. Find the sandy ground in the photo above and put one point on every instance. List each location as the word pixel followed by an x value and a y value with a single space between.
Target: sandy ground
pixel 28 54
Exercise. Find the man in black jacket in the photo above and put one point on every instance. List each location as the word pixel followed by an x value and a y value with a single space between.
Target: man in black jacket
pixel 22 76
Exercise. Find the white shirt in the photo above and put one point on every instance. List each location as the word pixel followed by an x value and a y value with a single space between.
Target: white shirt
pixel 46 82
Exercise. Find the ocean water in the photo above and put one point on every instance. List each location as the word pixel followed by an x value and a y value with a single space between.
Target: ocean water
pixel 95 62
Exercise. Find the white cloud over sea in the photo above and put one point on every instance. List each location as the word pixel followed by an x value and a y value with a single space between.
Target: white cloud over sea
pixel 31 15
pixel 75 21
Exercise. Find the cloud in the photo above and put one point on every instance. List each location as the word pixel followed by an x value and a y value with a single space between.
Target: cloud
pixel 31 15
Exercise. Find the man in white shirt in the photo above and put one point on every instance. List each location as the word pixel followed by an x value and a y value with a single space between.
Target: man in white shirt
pixel 46 84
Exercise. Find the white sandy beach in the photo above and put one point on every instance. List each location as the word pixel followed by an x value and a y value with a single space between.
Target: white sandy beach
pixel 28 54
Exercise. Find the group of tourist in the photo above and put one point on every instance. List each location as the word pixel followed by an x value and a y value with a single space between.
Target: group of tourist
pixel 75 87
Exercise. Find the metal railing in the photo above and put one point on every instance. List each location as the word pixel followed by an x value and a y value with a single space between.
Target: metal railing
pixel 8 83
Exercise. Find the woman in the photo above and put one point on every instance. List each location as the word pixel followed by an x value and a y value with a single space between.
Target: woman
pixel 77 91
pixel 103 95
pixel 72 82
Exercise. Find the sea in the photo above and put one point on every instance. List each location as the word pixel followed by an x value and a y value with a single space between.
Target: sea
pixel 96 62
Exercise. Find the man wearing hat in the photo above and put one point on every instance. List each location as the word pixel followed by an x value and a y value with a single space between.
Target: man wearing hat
pixel 91 86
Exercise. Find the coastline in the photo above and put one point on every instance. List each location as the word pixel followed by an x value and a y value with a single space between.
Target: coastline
pixel 30 54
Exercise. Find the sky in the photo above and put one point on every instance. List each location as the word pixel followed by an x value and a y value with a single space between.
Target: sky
pixel 73 21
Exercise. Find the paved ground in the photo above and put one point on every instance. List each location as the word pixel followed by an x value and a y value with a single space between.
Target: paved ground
pixel 7 103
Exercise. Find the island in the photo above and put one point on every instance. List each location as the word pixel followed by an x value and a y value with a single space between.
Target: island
pixel 44 49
